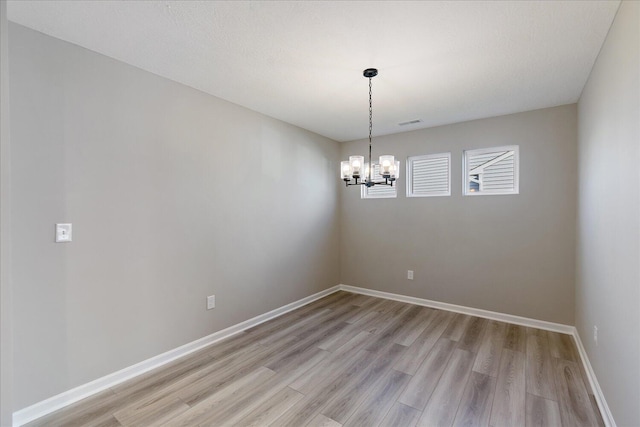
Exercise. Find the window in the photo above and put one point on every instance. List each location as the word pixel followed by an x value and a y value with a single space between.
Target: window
pixel 379 191
pixel 429 175
pixel 491 171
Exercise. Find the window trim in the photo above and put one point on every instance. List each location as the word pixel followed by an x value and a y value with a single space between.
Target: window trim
pixel 516 171
pixel 409 166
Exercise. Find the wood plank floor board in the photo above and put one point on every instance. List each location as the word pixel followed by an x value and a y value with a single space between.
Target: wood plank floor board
pixel 195 379
pixel 104 421
pixel 262 394
pixel 379 399
pixel 535 331
pixel 297 351
pixel 363 300
pixel 325 323
pixel 324 313
pixel 345 401
pixel 205 408
pixel 324 390
pixel 426 379
pixel 270 409
pixel 303 365
pixel 365 309
pixel 345 359
pixel 151 411
pixel 573 399
pixel 198 388
pixel 278 323
pixel 108 422
pixel 395 328
pixel 357 360
pixel 400 415
pixel 379 321
pixel 205 367
pixel 509 403
pixel 304 412
pixel 371 322
pixel 247 402
pixel 86 420
pixel 174 371
pixel 488 358
pixel 472 335
pixel 542 412
pixel 563 346
pixel 414 327
pixel 268 337
pixel 442 406
pixel 335 341
pixel 596 410
pixel 417 352
pixel 394 307
pixel 516 338
pixel 322 421
pixel 358 311
pixel 539 368
pixel 93 410
pixel 475 406
pixel 289 375
pixel 457 327
pixel 331 301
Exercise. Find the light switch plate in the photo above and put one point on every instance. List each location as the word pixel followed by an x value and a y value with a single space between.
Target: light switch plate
pixel 63 233
pixel 211 302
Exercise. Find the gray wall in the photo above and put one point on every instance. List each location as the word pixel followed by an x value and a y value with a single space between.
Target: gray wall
pixel 508 253
pixel 173 195
pixel 6 300
pixel 608 250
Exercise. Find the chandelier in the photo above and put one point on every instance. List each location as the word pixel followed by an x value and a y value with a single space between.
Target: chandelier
pixel 356 172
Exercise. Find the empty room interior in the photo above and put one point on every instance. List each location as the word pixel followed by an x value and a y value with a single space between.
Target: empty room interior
pixel 320 213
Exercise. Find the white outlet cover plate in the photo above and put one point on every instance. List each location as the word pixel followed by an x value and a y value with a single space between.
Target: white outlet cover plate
pixel 211 302
pixel 63 233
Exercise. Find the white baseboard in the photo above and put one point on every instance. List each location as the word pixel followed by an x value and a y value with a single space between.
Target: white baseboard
pixel 493 315
pixel 607 416
pixel 61 400
pixel 66 398
pixel 508 318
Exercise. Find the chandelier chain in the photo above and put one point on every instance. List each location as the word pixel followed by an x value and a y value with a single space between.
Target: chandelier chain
pixel 370 129
pixel 370 111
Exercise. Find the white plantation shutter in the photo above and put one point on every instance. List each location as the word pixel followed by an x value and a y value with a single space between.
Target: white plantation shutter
pixel 379 191
pixel 429 175
pixel 492 170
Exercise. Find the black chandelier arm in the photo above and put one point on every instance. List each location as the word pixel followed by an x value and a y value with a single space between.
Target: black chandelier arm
pixel 388 182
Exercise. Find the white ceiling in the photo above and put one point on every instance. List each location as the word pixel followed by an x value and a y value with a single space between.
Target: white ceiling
pixel 302 61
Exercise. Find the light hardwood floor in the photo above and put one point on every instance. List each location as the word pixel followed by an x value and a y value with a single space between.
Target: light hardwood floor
pixel 355 360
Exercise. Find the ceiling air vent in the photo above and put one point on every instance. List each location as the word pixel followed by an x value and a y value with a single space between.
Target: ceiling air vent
pixel 410 122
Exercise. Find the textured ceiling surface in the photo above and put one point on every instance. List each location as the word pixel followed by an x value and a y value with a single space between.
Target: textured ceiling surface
pixel 302 61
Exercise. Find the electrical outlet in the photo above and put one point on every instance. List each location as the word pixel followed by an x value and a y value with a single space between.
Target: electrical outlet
pixel 595 334
pixel 410 274
pixel 211 302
